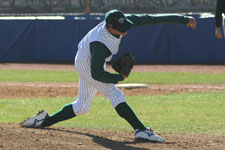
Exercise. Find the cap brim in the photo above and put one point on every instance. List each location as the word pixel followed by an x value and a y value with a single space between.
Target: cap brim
pixel 126 26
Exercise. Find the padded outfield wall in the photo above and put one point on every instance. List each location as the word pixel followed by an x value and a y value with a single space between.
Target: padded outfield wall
pixel 41 39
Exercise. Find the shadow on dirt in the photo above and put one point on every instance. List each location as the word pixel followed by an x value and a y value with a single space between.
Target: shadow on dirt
pixel 107 143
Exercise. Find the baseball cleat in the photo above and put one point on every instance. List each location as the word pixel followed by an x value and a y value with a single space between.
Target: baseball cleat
pixel 35 121
pixel 148 135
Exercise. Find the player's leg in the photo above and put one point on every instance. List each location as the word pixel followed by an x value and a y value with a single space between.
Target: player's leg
pixel 86 94
pixel 65 113
pixel 85 97
pixel 82 105
pixel 118 101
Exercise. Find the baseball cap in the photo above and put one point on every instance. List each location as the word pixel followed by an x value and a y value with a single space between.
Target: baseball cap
pixel 118 20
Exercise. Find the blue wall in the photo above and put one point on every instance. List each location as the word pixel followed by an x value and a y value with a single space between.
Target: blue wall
pixel 56 41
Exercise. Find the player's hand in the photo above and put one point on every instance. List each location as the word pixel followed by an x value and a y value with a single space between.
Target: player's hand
pixel 192 23
pixel 218 33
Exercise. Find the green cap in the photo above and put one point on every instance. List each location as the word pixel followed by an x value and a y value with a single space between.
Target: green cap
pixel 118 20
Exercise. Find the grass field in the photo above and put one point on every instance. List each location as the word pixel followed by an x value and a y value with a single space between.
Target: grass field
pixel 135 77
pixel 201 112
pixel 177 113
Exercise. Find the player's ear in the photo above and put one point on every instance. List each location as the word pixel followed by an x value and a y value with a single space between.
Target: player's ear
pixel 111 29
pixel 109 26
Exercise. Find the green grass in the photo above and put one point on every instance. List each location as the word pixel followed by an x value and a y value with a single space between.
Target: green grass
pixel 177 113
pixel 38 76
pixel 135 77
pixel 176 78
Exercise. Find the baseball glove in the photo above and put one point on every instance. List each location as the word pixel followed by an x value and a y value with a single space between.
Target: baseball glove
pixel 124 64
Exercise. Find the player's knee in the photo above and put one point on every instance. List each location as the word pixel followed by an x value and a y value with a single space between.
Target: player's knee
pixel 81 107
pixel 117 100
pixel 85 110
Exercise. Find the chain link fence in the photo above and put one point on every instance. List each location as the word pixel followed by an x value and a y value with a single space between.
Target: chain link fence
pixel 101 6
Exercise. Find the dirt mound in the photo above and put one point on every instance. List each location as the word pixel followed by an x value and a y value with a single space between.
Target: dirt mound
pixel 15 137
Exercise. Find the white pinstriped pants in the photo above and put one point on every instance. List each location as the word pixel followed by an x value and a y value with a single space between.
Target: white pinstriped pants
pixel 88 88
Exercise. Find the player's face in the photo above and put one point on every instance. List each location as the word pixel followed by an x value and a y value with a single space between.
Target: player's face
pixel 116 32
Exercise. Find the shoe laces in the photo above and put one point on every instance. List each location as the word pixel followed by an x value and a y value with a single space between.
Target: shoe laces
pixel 149 129
pixel 39 112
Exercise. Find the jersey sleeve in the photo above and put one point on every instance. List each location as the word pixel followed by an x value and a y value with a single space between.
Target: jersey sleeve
pixel 140 20
pixel 99 52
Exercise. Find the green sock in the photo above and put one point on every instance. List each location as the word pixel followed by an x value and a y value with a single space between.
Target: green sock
pixel 124 110
pixel 65 113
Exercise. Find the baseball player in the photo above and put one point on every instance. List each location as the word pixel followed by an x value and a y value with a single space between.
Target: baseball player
pixel 220 9
pixel 94 50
